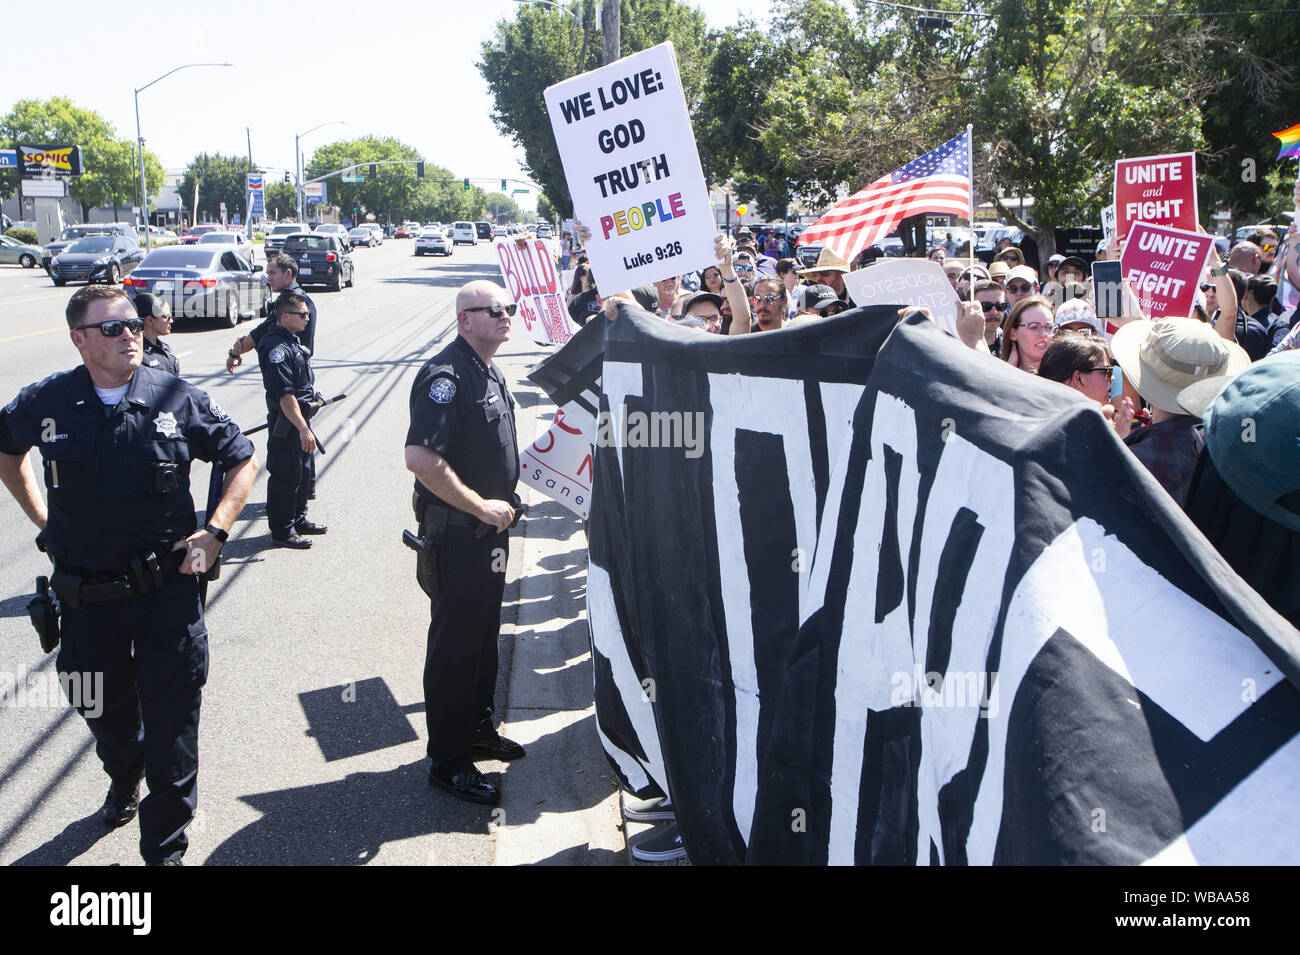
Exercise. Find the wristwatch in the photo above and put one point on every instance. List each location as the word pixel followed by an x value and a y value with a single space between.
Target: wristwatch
pixel 1222 270
pixel 217 532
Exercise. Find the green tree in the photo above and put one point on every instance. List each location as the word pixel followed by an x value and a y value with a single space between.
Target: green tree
pixel 219 179
pixel 545 210
pixel 109 174
pixel 1239 170
pixel 393 192
pixel 280 200
pixel 542 46
pixel 1056 90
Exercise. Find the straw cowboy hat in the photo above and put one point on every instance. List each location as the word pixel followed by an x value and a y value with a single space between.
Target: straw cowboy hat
pixel 827 261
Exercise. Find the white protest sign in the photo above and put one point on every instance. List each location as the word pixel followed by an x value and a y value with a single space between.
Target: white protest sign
pixel 629 156
pixel 1108 221
pixel 917 282
pixel 530 277
pixel 559 462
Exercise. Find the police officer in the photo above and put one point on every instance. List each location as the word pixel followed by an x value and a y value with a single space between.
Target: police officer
pixel 157 315
pixel 290 387
pixel 282 278
pixel 117 440
pixel 462 449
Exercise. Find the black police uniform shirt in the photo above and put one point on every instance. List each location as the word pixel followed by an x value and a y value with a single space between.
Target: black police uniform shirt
pixel 461 408
pixel 158 354
pixel 285 368
pixel 308 336
pixel 118 479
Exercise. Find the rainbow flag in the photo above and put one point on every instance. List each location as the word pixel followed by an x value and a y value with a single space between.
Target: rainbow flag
pixel 1290 142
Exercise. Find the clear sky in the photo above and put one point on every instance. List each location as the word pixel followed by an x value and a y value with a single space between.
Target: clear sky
pixel 387 67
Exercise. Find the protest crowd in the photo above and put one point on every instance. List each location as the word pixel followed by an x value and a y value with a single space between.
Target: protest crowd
pixel 1158 380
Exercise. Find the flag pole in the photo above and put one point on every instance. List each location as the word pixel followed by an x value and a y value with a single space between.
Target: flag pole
pixel 970 183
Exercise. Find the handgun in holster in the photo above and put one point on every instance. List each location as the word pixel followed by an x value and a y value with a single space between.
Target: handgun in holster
pixel 428 545
pixel 308 407
pixel 44 610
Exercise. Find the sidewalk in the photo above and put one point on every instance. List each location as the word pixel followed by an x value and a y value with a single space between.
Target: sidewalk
pixel 559 805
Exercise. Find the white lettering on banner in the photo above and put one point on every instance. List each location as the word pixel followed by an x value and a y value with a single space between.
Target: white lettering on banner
pixel 1188 660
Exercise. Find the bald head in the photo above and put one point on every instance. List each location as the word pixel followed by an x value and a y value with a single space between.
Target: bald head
pixel 1246 256
pixel 480 292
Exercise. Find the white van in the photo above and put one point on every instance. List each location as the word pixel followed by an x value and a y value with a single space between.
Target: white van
pixel 463 232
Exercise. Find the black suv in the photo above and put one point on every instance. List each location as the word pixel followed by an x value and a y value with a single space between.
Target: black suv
pixel 483 230
pixel 321 259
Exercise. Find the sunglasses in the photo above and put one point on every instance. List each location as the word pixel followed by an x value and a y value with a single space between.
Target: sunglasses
pixel 304 314
pixel 496 311
pixel 744 268
pixel 769 299
pixel 1018 289
pixel 113 328
pixel 1108 371
pixel 1207 288
pixel 1009 257
pixel 995 306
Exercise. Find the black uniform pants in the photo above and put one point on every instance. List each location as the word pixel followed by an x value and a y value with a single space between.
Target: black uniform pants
pixel 460 664
pixel 288 483
pixel 138 667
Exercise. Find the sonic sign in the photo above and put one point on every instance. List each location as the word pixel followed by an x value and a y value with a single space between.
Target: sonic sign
pixel 46 161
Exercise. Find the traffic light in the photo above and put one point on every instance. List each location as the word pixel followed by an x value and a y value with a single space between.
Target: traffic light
pixel 287 177
pixel 467 183
pixel 503 185
pixel 374 171
pixel 419 169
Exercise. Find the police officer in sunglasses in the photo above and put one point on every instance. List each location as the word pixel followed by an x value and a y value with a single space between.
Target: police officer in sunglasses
pixel 463 451
pixel 117 520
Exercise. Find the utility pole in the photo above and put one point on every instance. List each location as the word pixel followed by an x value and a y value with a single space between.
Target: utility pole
pixel 248 199
pixel 610 12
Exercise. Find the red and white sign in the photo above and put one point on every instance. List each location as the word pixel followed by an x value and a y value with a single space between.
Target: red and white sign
pixel 1164 268
pixel 559 462
pixel 529 273
pixel 1160 190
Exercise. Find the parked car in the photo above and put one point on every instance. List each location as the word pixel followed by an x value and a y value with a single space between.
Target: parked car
pixel 13 252
pixel 321 260
pixel 236 239
pixel 431 241
pixel 74 232
pixel 274 240
pixel 483 229
pixel 203 281
pixel 363 236
pixel 463 232
pixel 336 230
pixel 191 235
pixel 96 258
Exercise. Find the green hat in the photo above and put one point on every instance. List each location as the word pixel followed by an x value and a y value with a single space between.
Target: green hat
pixel 1252 431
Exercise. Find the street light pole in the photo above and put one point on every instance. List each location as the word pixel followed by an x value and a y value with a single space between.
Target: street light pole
pixel 139 139
pixel 297 154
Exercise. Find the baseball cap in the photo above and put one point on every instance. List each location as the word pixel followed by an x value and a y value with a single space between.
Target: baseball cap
pixel 1055 257
pixel 1162 358
pixel 1264 403
pixel 1023 272
pixel 1073 262
pixel 1076 311
pixel 702 297
pixel 818 297
pixel 647 297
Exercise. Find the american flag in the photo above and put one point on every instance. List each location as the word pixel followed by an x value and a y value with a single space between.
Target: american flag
pixel 937 182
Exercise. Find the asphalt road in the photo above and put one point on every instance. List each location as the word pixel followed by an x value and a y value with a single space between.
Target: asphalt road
pixel 311 737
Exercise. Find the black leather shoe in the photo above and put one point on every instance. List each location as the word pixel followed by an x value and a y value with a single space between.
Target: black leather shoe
pixel 120 806
pixel 469 785
pixel 496 747
pixel 293 540
pixel 305 526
